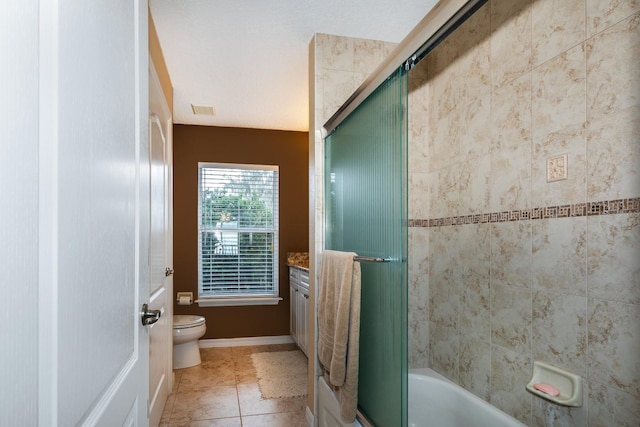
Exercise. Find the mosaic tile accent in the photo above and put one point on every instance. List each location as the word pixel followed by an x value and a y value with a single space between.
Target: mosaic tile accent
pixel 607 207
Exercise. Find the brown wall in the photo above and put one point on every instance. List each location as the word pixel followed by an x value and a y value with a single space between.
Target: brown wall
pixel 288 150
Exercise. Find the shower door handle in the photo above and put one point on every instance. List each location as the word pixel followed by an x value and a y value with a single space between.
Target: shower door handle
pixel 149 317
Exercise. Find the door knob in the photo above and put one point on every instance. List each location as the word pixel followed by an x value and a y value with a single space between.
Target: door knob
pixel 168 272
pixel 149 317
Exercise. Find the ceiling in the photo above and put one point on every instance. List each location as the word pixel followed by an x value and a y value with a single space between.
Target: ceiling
pixel 249 58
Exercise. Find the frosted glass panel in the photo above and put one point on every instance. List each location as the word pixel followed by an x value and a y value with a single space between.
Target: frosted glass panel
pixel 366 203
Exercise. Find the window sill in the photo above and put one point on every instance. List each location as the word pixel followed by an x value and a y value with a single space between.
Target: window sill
pixel 237 301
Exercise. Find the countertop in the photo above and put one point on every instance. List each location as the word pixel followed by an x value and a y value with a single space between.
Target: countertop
pixel 298 260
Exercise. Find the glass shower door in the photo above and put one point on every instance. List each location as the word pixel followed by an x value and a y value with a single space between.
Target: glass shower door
pixel 366 203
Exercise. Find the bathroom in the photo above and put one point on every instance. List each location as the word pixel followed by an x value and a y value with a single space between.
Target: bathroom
pixel 536 288
pixel 506 267
pixel 224 387
pixel 569 286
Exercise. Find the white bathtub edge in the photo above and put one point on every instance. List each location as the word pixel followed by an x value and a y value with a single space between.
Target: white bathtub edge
pixel 327 412
pixel 309 416
pixel 487 407
pixel 328 409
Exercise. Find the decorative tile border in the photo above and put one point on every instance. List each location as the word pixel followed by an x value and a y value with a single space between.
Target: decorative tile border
pixel 608 207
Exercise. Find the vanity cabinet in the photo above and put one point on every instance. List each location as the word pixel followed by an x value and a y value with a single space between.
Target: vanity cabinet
pixel 299 305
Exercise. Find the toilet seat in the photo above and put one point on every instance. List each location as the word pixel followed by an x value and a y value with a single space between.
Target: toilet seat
pixel 185 321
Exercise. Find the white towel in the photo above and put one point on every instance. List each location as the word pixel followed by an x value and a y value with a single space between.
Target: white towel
pixel 339 326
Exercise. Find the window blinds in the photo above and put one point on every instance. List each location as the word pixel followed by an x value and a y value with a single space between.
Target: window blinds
pixel 238 230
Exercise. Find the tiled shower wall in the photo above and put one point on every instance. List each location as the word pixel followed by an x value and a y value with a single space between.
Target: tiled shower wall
pixel 505 267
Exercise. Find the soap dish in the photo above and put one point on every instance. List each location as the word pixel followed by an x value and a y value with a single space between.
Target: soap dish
pixel 569 385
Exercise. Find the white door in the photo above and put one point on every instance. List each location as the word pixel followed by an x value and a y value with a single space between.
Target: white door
pixel 161 289
pixel 93 213
pixel 19 133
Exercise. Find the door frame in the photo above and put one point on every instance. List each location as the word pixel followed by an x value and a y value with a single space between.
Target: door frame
pixel 168 122
pixel 166 118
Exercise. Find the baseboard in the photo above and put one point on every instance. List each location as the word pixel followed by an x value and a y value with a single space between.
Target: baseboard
pixel 237 342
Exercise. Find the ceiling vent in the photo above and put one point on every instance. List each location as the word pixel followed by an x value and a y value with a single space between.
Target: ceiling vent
pixel 205 110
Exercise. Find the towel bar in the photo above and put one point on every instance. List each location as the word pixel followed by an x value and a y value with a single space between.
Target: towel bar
pixel 370 259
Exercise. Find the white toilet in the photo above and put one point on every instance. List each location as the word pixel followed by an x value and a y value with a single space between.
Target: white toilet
pixel 187 330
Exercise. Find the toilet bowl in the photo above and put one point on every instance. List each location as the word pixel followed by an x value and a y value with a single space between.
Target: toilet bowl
pixel 187 329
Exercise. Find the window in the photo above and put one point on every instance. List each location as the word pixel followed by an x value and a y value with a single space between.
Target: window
pixel 238 234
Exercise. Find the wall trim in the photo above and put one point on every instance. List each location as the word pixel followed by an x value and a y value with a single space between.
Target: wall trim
pixel 245 341
pixel 608 207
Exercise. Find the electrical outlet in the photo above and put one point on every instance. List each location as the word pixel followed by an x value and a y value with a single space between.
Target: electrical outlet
pixel 557 168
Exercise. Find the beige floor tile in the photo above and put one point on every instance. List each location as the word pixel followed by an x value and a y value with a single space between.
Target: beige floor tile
pixel 252 403
pixel 168 408
pixel 178 375
pixel 242 350
pixel 213 359
pixel 223 388
pixel 245 350
pixel 246 377
pixel 289 419
pixel 220 422
pixel 216 353
pixel 205 376
pixel 215 402
pixel 277 347
pixel 244 371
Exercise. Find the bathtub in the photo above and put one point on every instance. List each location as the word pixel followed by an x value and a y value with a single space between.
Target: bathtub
pixel 436 401
pixel 433 401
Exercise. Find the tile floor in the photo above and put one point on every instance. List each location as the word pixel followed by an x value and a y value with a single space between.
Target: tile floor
pixel 223 392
